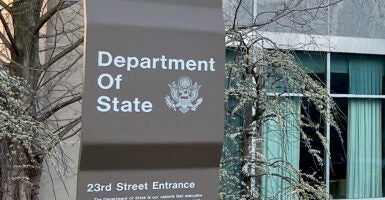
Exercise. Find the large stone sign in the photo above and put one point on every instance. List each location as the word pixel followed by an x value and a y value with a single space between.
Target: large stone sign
pixel 153 100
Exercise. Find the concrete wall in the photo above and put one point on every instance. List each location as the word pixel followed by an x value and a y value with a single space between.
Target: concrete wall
pixel 60 171
pixel 358 18
pixel 349 18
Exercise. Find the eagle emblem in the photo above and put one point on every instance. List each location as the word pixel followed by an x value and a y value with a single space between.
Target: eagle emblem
pixel 184 95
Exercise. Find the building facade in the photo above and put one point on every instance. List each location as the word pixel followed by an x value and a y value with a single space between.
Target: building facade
pixel 342 42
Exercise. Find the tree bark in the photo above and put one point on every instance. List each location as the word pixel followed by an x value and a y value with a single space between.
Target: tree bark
pixel 17 182
pixel 25 57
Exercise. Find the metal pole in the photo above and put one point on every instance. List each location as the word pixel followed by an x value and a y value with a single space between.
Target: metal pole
pixel 328 79
pixel 253 145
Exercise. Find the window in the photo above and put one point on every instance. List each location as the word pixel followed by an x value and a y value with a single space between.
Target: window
pixel 357 162
pixel 282 137
pixel 357 154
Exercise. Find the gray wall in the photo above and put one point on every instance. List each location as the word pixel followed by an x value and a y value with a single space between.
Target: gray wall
pixel 350 18
pixel 358 18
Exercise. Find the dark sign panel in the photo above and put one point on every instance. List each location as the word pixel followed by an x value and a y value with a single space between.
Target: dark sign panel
pixel 153 99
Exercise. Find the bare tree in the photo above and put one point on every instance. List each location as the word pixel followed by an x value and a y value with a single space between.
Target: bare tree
pixel 40 42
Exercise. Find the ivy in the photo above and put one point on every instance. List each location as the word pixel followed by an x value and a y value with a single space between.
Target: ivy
pixel 25 140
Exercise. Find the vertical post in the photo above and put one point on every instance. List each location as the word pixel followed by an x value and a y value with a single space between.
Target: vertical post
pixel 253 145
pixel 327 157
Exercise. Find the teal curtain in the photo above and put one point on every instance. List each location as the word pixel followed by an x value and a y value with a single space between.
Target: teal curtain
pixel 281 145
pixel 364 173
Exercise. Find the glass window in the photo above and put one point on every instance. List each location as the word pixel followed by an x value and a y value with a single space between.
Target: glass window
pixel 339 74
pixel 286 142
pixel 342 66
pixel 357 155
pixel 314 62
pixel 309 164
pixel 338 154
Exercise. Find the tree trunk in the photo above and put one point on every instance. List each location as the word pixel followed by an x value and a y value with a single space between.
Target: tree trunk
pixel 35 180
pixel 26 15
pixel 17 182
pixel 12 178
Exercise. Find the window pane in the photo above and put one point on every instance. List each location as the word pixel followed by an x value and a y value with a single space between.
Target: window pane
pixel 308 163
pixel 353 70
pixel 357 163
pixel 339 74
pixel 338 154
pixel 314 62
pixel 281 144
pixel 339 83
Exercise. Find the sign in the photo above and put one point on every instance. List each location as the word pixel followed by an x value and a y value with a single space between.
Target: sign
pixel 153 100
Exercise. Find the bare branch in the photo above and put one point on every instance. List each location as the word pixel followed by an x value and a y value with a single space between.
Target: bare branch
pixel 7 29
pixel 58 107
pixel 6 42
pixel 4 63
pixel 236 14
pixel 4 5
pixel 61 5
pixel 62 71
pixel 61 33
pixel 68 127
pixel 62 54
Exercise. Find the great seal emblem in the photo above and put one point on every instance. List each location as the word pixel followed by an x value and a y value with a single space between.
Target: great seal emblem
pixel 184 95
